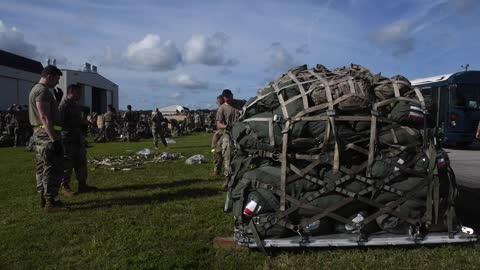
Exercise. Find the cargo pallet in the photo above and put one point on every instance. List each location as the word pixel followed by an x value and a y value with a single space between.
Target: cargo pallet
pixel 353 240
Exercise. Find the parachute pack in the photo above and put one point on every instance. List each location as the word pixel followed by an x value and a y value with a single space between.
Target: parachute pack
pixel 329 152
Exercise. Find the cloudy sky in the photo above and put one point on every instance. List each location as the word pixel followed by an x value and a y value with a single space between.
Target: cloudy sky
pixel 186 52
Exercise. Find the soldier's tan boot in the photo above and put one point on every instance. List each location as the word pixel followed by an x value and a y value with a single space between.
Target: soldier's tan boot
pixel 67 191
pixel 52 206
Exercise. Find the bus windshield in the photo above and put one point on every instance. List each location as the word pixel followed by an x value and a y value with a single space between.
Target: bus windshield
pixel 466 97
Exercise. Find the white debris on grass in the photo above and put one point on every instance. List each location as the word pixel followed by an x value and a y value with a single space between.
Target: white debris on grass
pixel 195 159
pixel 129 162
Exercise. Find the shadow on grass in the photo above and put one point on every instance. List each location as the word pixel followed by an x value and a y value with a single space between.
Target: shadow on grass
pixel 152 186
pixel 468 207
pixel 190 193
pixel 193 146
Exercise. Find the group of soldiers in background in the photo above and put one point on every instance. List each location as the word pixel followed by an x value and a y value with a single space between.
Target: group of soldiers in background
pixel 14 126
pixel 134 125
pixel 130 125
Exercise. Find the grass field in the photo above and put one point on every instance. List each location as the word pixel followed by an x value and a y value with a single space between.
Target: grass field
pixel 163 216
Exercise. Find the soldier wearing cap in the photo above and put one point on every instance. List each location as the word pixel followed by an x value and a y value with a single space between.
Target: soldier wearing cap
pixel 45 119
pixel 228 113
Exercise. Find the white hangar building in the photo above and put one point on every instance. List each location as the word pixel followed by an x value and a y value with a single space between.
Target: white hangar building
pixel 97 91
pixel 18 74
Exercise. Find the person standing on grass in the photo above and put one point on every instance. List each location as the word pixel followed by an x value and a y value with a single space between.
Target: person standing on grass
pixel 228 113
pixel 45 120
pixel 217 145
pixel 131 122
pixel 73 141
pixel 109 124
pixel 157 128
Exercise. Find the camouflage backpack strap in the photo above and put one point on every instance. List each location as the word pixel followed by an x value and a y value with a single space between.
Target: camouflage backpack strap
pixel 452 196
pixel 431 154
pixel 253 229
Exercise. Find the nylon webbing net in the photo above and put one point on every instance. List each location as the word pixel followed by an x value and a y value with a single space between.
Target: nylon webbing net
pixel 331 149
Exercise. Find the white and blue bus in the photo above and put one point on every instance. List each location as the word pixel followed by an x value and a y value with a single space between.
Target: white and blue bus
pixel 455 104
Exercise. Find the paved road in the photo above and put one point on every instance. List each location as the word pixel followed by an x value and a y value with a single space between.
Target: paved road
pixel 466 165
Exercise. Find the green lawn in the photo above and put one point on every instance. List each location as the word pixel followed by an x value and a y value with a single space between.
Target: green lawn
pixel 163 216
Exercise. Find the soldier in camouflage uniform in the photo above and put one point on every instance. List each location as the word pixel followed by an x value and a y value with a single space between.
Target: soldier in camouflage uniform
pixel 19 123
pixel 100 123
pixel 44 117
pixel 157 128
pixel 228 113
pixel 73 141
pixel 109 124
pixel 9 120
pixel 130 121
pixel 217 146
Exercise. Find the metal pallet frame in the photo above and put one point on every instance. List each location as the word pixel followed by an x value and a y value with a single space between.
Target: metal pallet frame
pixel 352 240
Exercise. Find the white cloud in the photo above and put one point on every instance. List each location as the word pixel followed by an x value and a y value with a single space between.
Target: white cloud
pixel 186 81
pixel 175 95
pixel 151 53
pixel 210 51
pixel 13 41
pixel 395 37
pixel 279 59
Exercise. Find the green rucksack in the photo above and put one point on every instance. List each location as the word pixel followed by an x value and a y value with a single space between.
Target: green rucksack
pixel 355 80
pixel 407 113
pixel 384 88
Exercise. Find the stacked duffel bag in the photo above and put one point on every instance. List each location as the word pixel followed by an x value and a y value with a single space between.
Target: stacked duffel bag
pixel 322 151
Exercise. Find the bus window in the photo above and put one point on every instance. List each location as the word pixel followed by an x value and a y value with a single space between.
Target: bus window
pixel 466 96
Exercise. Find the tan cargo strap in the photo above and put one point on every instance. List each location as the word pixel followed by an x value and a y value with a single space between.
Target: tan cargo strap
pixel 283 160
pixel 281 100
pixel 302 172
pixel 396 91
pixel 302 90
pixel 356 148
pixel 331 125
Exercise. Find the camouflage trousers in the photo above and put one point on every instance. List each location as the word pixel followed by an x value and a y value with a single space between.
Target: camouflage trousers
pixel 227 153
pixel 157 133
pixel 49 167
pixel 217 152
pixel 75 159
pixel 19 136
pixel 131 131
pixel 109 133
